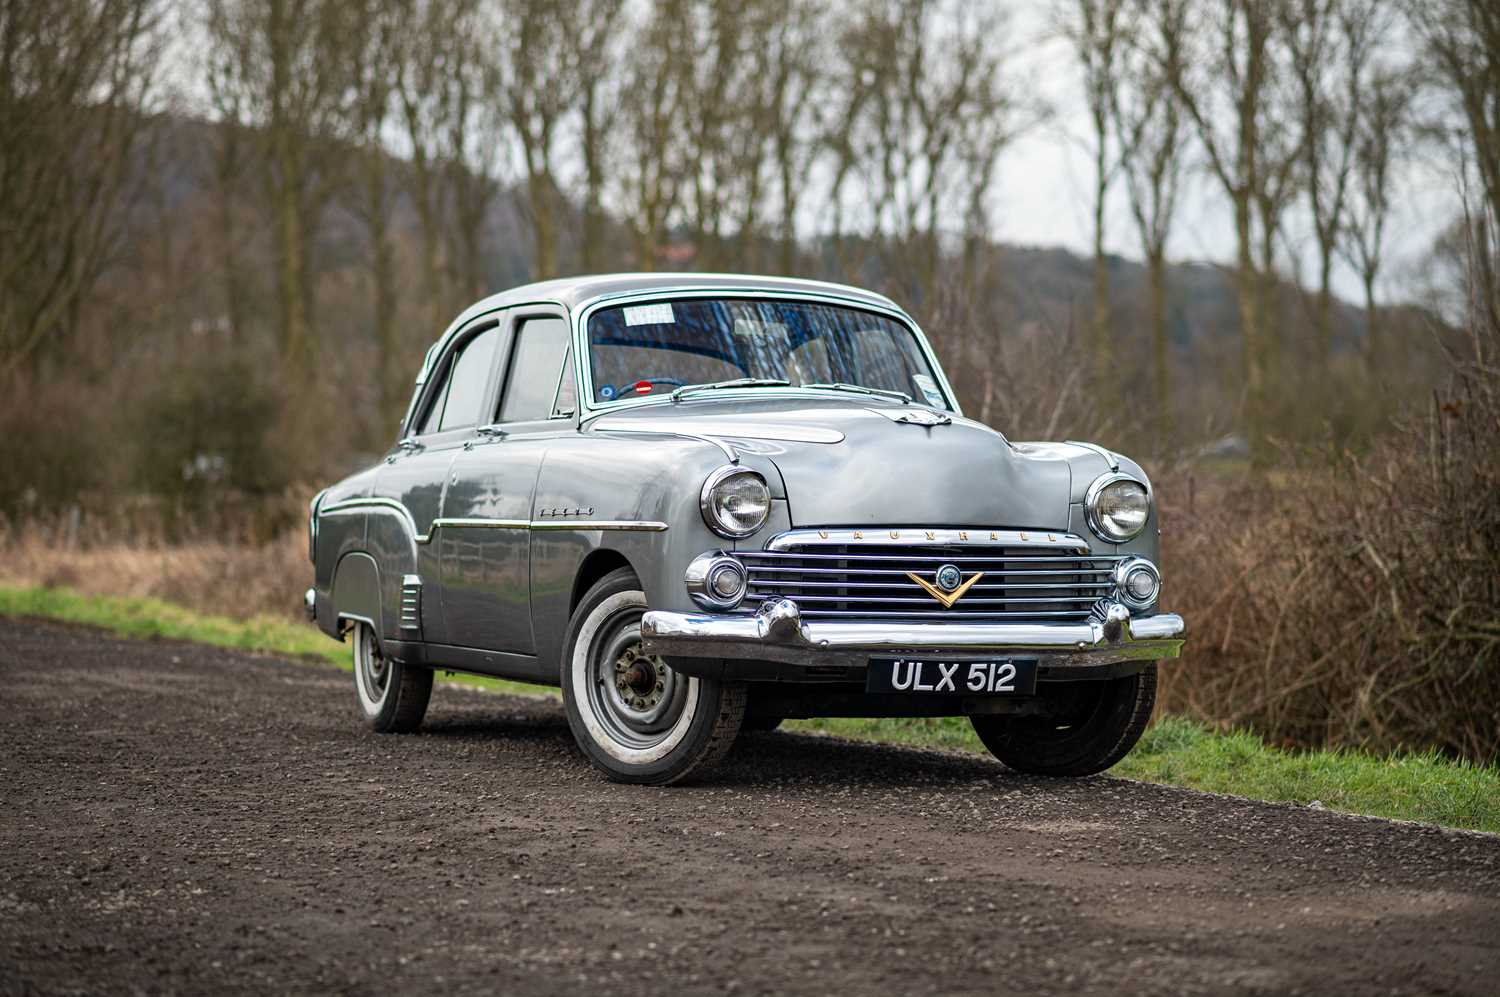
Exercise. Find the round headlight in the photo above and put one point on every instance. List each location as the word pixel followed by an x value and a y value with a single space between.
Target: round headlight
pixel 735 501
pixel 1117 507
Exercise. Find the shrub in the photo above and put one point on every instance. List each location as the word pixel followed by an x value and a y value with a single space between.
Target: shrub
pixel 1357 604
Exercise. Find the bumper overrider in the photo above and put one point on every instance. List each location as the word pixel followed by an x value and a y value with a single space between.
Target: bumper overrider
pixel 777 644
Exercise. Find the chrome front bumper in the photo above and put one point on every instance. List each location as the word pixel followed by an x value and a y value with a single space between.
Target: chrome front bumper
pixel 777 633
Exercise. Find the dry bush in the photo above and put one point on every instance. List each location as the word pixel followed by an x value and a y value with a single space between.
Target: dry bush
pixel 239 556
pixel 1355 605
pixel 239 580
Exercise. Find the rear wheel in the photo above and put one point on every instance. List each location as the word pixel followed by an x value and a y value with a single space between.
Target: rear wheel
pixel 1091 727
pixel 392 696
pixel 634 717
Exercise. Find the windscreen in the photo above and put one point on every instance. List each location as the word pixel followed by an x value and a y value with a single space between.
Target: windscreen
pixel 645 349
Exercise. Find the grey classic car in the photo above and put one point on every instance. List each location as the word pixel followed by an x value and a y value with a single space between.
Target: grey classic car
pixel 704 503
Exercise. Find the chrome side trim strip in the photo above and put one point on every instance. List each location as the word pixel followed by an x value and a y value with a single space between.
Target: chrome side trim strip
pixel 391 505
pixel 635 525
pixel 921 537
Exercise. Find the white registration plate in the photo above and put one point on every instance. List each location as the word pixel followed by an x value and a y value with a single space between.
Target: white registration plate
pixel 991 677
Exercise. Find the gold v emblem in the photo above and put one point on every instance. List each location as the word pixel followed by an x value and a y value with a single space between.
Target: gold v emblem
pixel 946 598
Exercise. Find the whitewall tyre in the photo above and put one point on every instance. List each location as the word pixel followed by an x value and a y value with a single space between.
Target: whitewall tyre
pixel 635 718
pixel 392 696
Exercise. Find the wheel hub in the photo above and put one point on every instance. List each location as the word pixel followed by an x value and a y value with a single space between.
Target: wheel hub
pixel 640 680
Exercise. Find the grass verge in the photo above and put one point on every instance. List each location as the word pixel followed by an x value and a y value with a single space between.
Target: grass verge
pixel 1425 787
pixel 137 617
pixel 1175 751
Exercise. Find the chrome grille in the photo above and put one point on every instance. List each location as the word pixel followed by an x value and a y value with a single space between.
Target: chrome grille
pixel 869 581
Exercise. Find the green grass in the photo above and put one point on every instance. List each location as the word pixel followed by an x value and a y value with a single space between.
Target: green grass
pixel 1425 787
pixel 148 618
pixel 1178 752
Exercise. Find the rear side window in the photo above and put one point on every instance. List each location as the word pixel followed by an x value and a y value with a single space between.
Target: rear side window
pixel 458 404
pixel 537 364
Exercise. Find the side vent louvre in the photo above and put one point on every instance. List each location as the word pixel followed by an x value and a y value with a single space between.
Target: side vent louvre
pixel 411 607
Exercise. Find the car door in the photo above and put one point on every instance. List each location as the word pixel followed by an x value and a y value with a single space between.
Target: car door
pixel 416 472
pixel 485 546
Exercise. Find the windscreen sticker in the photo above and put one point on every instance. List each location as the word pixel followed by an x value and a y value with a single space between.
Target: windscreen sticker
pixel 656 314
pixel 929 390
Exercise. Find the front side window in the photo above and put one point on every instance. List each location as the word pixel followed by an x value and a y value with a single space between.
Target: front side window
pixel 458 403
pixel 538 361
pixel 643 349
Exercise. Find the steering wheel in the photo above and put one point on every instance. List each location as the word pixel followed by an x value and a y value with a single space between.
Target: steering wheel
pixel 676 382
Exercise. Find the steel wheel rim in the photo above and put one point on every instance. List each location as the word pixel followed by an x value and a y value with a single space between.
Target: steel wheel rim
pixel 635 713
pixel 372 672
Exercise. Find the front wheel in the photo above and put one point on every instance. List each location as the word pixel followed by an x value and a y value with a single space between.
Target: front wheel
pixel 392 696
pixel 635 718
pixel 1090 726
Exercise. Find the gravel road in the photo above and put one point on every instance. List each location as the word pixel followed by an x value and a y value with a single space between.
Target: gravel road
pixel 179 819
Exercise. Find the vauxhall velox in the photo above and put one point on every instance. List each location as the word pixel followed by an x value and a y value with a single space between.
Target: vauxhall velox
pixel 704 503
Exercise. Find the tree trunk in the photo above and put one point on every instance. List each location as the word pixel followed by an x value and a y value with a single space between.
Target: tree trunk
pixel 788 249
pixel 543 228
pixel 383 284
pixel 1157 274
pixel 593 173
pixel 1105 375
pixel 1323 309
pixel 291 269
pixel 1373 345
pixel 1248 291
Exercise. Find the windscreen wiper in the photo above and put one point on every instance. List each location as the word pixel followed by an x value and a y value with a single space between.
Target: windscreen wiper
pixel 739 382
pixel 860 389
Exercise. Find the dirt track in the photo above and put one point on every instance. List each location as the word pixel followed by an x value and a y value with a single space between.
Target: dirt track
pixel 181 819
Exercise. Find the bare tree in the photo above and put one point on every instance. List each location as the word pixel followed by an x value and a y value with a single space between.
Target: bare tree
pixel 374 52
pixel 1094 28
pixel 1383 140
pixel 593 59
pixel 76 81
pixel 652 167
pixel 277 60
pixel 1463 38
pixel 433 90
pixel 791 114
pixel 935 110
pixel 1331 44
pixel 1151 133
pixel 1226 67
pixel 536 86
pixel 714 115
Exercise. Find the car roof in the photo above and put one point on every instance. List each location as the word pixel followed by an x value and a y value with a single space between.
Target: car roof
pixel 572 292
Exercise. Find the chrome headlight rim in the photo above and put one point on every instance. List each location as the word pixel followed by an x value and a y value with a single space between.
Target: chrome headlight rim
pixel 1091 500
pixel 1124 569
pixel 706 501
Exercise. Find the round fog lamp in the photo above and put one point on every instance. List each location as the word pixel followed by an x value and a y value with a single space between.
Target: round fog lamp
pixel 716 581
pixel 1138 582
pixel 726 581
